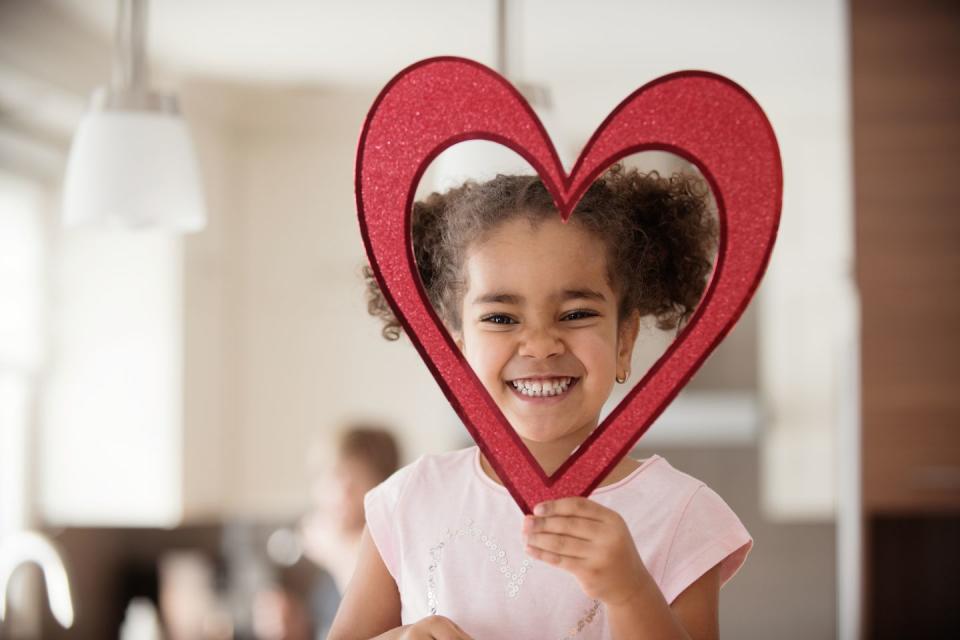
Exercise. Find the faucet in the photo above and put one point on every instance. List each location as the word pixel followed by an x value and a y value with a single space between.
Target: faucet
pixel 19 548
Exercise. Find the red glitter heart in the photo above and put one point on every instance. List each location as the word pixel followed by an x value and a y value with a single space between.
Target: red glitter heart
pixel 703 117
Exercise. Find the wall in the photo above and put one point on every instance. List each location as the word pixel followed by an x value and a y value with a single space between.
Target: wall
pixel 280 348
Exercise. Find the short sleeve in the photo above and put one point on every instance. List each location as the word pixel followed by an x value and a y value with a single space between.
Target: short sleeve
pixel 708 533
pixel 380 505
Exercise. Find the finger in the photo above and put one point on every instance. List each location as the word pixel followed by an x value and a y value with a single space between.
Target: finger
pixel 561 544
pixel 447 633
pixel 417 632
pixel 443 628
pixel 463 634
pixel 583 528
pixel 572 506
pixel 568 563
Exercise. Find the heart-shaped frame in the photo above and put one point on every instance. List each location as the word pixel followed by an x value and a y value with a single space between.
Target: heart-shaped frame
pixel 704 117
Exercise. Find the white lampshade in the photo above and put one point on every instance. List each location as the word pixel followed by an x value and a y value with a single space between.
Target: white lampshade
pixel 133 169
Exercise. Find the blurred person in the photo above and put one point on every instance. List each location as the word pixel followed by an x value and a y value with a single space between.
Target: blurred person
pixel 190 605
pixel 329 536
pixel 279 613
pixel 366 456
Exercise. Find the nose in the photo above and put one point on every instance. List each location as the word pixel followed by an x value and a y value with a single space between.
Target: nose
pixel 539 341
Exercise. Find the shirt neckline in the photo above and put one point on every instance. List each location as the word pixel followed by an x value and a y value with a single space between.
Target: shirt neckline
pixel 478 469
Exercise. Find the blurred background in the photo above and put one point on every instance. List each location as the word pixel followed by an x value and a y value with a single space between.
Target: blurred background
pixel 190 412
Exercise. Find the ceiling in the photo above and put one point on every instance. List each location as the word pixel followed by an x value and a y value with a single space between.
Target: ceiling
pixel 792 55
pixel 354 42
pixel 364 42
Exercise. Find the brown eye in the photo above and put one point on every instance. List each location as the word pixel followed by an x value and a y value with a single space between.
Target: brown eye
pixel 579 315
pixel 498 318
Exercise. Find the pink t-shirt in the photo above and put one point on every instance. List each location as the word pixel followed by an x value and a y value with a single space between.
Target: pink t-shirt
pixel 451 538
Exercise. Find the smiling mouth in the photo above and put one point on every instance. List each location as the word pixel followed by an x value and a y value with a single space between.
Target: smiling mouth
pixel 535 388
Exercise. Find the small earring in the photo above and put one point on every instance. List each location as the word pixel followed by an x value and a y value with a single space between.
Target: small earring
pixel 624 378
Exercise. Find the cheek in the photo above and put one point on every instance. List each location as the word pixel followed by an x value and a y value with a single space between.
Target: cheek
pixel 600 349
pixel 487 364
pixel 487 356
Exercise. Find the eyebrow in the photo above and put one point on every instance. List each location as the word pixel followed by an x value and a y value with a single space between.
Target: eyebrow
pixel 512 298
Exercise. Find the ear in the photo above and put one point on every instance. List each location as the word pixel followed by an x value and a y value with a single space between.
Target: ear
pixel 626 338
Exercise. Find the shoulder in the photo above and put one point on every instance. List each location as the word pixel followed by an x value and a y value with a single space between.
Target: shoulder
pixel 670 477
pixel 651 483
pixel 689 496
pixel 427 469
pixel 703 532
pixel 679 497
pixel 662 502
pixel 446 464
pixel 447 468
pixel 682 527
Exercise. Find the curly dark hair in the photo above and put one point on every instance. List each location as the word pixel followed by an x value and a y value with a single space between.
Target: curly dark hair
pixel 659 232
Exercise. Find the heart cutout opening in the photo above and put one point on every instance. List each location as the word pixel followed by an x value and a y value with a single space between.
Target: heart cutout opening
pixel 494 257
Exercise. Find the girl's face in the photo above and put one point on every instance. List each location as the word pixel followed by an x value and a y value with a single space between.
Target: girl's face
pixel 540 327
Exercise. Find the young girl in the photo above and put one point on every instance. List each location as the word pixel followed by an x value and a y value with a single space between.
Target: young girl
pixel 547 314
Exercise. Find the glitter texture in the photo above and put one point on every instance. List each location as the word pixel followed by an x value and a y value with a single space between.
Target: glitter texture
pixel 706 118
pixel 513 578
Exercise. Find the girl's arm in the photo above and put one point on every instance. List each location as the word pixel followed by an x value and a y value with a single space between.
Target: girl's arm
pixel 698 606
pixel 696 610
pixel 371 605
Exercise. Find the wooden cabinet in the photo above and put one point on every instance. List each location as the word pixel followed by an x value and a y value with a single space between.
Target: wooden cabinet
pixel 906 59
pixel 907 189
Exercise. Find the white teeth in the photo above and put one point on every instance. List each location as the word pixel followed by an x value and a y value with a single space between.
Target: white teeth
pixel 542 388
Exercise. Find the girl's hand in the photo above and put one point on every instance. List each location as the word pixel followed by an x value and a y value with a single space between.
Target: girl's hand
pixel 434 628
pixel 590 541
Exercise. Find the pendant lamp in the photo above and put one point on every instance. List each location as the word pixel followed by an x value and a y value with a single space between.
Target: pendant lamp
pixel 132 163
pixel 481 160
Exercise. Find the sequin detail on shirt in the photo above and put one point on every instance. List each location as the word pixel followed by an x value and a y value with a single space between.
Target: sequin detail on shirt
pixel 514 579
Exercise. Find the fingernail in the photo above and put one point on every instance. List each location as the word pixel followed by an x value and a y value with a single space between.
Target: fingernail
pixel 539 509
